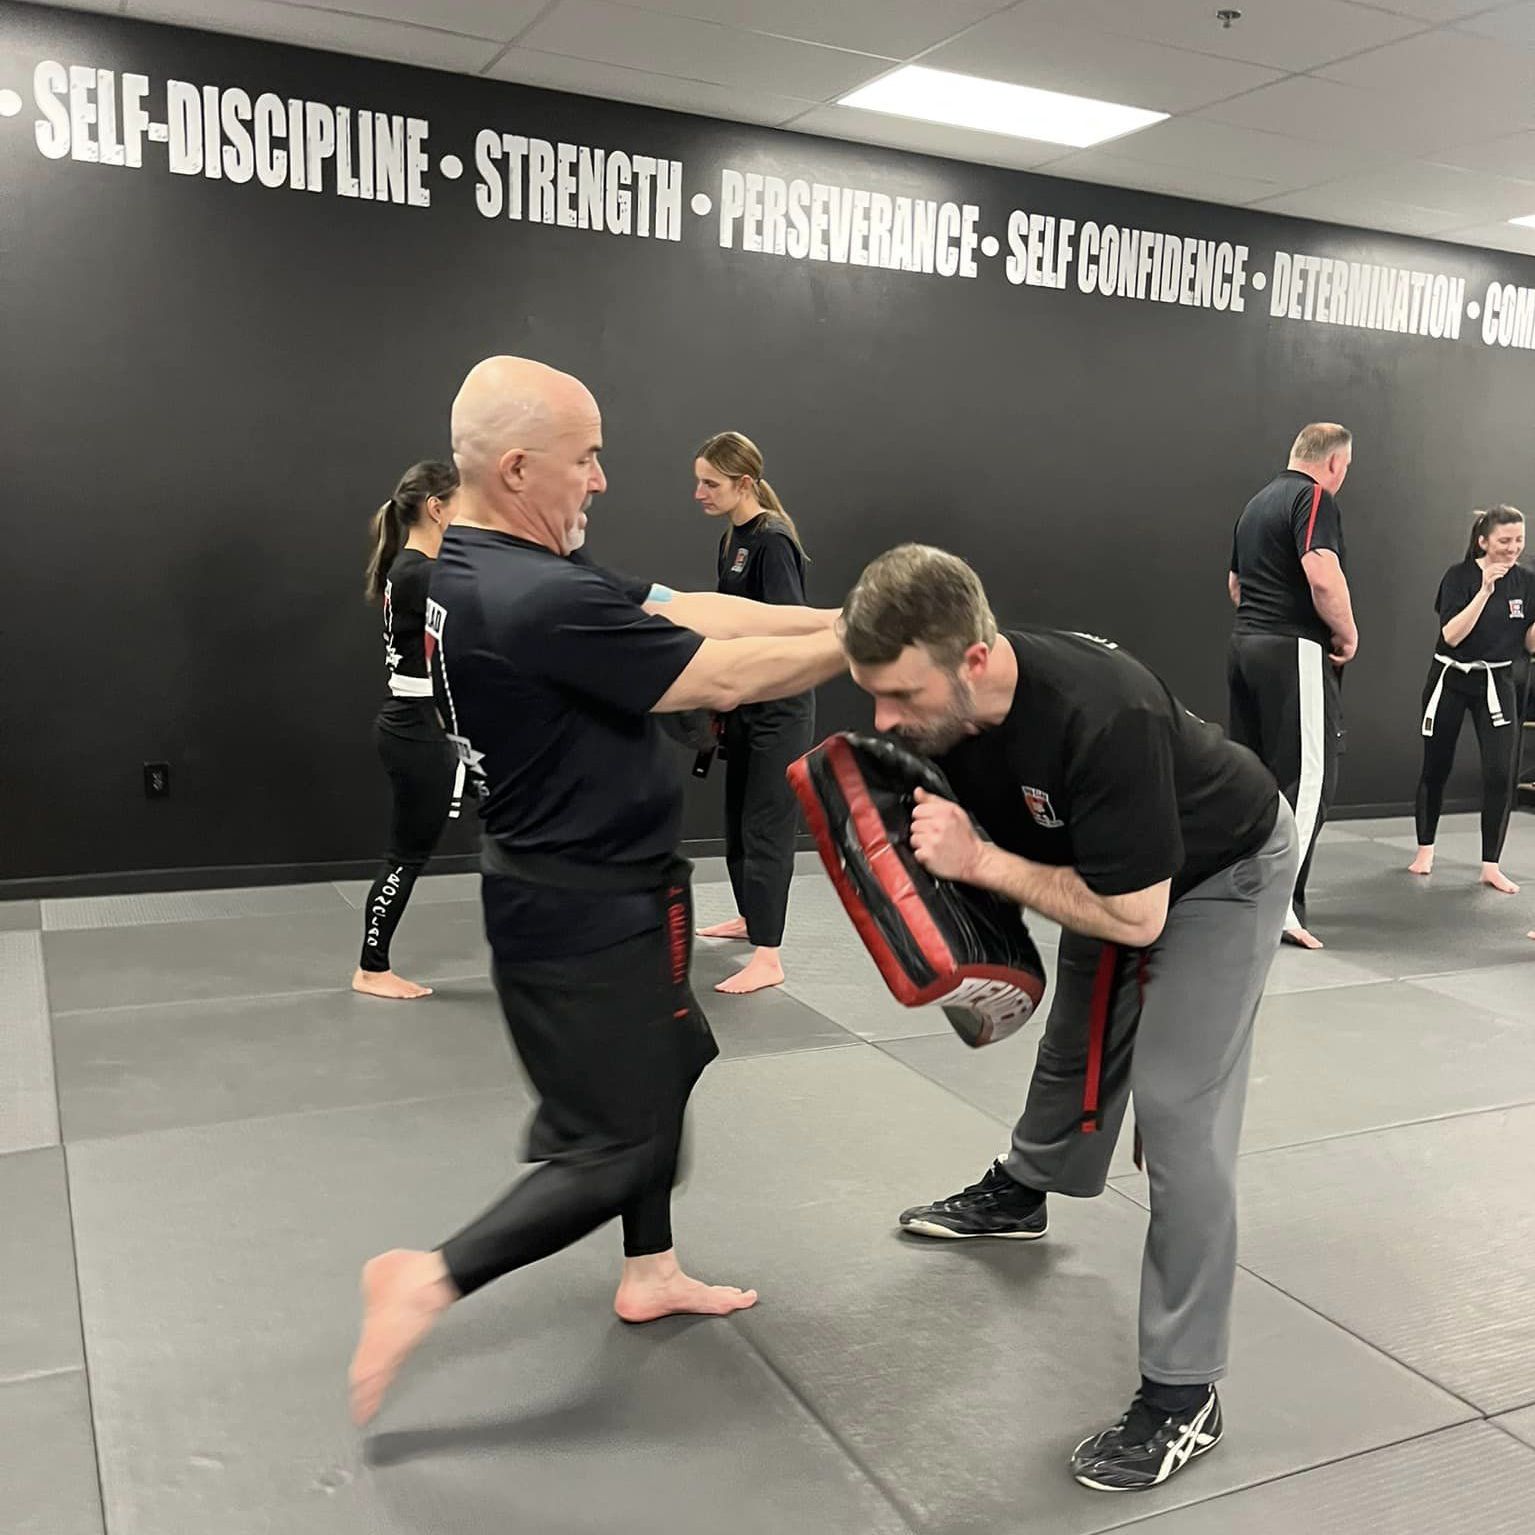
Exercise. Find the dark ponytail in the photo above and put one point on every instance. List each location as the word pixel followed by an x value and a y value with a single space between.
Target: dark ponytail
pixel 392 522
pixel 1484 522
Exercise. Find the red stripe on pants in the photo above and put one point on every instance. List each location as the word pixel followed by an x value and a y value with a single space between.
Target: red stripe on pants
pixel 1097 1027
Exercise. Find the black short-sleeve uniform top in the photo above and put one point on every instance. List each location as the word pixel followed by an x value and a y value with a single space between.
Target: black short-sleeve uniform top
pixel 1099 768
pixel 1290 517
pixel 759 560
pixel 1498 635
pixel 545 672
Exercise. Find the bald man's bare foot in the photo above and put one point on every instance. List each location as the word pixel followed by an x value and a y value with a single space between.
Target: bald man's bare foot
pixel 1423 863
pixel 1494 876
pixel 403 1294
pixel 762 970
pixel 1299 938
pixel 385 983
pixel 734 928
pixel 653 1287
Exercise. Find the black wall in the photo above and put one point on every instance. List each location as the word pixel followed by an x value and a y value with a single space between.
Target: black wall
pixel 208 387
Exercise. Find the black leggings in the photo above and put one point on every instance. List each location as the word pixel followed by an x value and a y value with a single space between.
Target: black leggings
pixel 613 1043
pixel 761 813
pixel 1466 693
pixel 421 767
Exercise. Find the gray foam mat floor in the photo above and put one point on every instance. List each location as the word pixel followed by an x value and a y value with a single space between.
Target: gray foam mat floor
pixel 240 1131
pixel 29 1105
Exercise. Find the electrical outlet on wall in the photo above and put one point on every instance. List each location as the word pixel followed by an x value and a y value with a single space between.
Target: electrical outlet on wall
pixel 157 780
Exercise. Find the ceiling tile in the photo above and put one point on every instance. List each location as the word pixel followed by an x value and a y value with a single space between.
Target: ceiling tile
pixel 1106 167
pixel 1513 155
pixel 1334 208
pixel 359 35
pixel 1426 63
pixel 1285 34
pixel 500 20
pixel 1472 195
pixel 896 29
pixel 555 72
pixel 1019 47
pixel 1503 237
pixel 1194 143
pixel 1509 23
pixel 1427 10
pixel 673 45
pixel 925 138
pixel 1401 123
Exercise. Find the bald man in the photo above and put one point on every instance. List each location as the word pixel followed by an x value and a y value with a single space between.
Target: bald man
pixel 1293 635
pixel 549 675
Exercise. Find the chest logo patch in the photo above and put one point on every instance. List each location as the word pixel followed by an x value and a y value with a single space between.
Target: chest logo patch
pixel 1041 808
pixel 740 562
pixel 1516 607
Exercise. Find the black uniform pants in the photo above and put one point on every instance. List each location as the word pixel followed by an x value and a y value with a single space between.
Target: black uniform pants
pixel 422 771
pixel 613 1043
pixel 761 813
pixel 1286 705
pixel 1465 693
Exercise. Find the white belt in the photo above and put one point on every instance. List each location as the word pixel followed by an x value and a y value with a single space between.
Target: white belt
pixel 1494 706
pixel 410 687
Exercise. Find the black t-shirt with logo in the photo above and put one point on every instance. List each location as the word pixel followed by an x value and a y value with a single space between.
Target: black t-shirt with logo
pixel 1498 635
pixel 761 561
pixel 545 672
pixel 1291 516
pixel 1098 767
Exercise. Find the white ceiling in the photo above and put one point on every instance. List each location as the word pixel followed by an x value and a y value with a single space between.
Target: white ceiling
pixel 1416 116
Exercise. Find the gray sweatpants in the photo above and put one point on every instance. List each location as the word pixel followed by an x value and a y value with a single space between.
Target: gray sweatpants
pixel 1171 1025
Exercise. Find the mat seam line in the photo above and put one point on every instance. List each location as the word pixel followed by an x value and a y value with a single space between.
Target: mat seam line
pixel 907 1516
pixel 74 1252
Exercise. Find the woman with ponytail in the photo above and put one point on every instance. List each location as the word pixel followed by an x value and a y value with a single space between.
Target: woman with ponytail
pixel 1488 626
pixel 760 558
pixel 422 767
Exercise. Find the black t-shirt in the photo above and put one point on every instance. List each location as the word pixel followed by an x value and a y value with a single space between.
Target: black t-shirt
pixel 1498 635
pixel 545 672
pixel 761 561
pixel 1288 518
pixel 1098 767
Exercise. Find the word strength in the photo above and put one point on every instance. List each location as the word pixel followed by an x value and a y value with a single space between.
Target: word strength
pixel 576 187
pixel 227 134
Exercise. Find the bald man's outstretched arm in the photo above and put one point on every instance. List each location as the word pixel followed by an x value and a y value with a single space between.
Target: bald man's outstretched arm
pixel 717 616
pixel 724 674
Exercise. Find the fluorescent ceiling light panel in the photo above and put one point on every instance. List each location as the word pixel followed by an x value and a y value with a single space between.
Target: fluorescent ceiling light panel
pixel 1527 222
pixel 994 106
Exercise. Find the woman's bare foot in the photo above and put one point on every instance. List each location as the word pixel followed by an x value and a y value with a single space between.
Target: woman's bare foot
pixel 655 1286
pixel 1423 863
pixel 1301 939
pixel 762 970
pixel 1494 876
pixel 385 983
pixel 734 928
pixel 403 1293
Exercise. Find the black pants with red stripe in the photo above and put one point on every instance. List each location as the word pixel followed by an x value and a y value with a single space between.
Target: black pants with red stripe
pixel 613 1043
pixel 1171 1025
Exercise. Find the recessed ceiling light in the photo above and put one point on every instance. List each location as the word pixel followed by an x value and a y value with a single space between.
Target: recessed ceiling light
pixel 1527 222
pixel 994 106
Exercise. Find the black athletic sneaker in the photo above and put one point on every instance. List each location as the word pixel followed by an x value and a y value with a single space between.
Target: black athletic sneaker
pixel 1147 1446
pixel 995 1207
